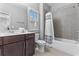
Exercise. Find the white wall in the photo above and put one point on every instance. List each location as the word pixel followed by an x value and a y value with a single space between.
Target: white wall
pixel 18 12
pixel 32 5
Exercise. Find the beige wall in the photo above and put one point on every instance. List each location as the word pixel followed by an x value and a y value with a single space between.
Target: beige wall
pixel 65 20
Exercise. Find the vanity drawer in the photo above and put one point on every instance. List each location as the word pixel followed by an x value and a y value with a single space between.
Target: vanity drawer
pixel 31 35
pixel 11 39
pixel 0 41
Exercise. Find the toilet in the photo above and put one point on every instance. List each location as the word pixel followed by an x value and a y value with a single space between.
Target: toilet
pixel 40 44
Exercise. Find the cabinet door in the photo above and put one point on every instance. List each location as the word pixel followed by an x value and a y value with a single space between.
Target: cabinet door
pixel 30 46
pixel 1 40
pixel 1 51
pixel 15 49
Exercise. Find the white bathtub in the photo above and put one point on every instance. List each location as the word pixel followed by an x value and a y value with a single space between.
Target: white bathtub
pixel 68 46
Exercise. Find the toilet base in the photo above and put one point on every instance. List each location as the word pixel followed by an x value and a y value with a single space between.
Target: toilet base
pixel 40 45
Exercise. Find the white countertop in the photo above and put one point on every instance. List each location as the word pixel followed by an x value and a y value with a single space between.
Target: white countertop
pixel 11 34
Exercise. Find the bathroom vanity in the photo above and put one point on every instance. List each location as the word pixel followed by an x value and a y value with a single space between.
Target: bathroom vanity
pixel 21 44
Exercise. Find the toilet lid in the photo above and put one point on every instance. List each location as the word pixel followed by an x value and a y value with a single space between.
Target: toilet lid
pixel 40 41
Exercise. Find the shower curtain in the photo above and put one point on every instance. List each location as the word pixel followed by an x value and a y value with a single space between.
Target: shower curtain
pixel 49 31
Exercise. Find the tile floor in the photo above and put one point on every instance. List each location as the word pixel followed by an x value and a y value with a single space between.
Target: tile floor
pixel 51 52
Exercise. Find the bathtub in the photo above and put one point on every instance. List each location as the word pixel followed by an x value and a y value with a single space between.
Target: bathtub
pixel 68 46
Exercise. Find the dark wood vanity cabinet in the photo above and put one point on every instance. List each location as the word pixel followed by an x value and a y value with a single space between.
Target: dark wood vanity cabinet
pixel 1 51
pixel 17 45
pixel 15 49
pixel 30 48
pixel 1 47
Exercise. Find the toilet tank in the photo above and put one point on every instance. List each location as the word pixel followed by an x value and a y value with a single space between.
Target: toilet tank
pixel 36 36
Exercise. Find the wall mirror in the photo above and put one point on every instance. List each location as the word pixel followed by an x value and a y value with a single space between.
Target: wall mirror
pixel 33 20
